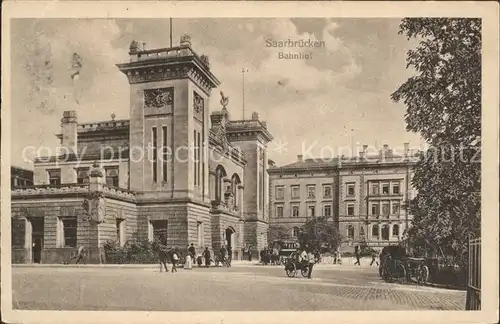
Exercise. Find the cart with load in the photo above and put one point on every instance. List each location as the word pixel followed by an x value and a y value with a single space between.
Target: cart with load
pixel 293 264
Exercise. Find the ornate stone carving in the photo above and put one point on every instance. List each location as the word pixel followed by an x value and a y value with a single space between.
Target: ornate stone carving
pixel 198 105
pixel 158 98
pixel 224 101
pixel 95 207
pixel 205 60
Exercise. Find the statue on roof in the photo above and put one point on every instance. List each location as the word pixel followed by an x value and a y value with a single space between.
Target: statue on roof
pixel 224 101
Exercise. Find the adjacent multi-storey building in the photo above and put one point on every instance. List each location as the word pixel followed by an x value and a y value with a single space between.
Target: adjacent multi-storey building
pixel 364 195
pixel 20 177
pixel 175 170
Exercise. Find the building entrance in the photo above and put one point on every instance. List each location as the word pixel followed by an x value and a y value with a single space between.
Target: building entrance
pixel 37 225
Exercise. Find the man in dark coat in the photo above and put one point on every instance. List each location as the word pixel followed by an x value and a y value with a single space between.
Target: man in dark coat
pixel 207 257
pixel 192 251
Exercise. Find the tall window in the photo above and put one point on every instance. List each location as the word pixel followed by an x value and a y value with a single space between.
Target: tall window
pixel 350 231
pixel 68 230
pixel 395 230
pixel 375 188
pixel 375 231
pixel 195 158
pixel 385 188
pixel 165 154
pixel 280 192
pixel 295 232
pixel 160 228
pixel 350 209
pixel 327 210
pixel 199 158
pixel 311 211
pixel 327 191
pixel 199 231
pixel 350 190
pixel 295 211
pixel 385 232
pixel 112 177
pixel 120 232
pixel 395 188
pixel 279 212
pixel 395 208
pixel 375 209
pixel 295 190
pixel 311 191
pixel 54 177
pixel 155 154
pixel 385 208
pixel 82 176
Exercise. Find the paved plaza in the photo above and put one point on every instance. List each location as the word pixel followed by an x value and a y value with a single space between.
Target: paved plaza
pixel 240 288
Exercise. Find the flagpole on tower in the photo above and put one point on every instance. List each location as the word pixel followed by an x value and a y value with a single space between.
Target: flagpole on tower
pixel 170 32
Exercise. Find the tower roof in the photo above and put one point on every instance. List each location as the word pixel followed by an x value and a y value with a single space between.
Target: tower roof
pixel 176 62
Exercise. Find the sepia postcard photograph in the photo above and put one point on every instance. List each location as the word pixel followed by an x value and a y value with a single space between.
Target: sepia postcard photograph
pixel 244 162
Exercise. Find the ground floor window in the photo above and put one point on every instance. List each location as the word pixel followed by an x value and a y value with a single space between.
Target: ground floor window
pixel 160 230
pixel 120 231
pixel 199 230
pixel 66 231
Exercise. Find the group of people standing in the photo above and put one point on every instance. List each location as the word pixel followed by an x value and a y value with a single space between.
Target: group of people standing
pixel 269 255
pixel 224 257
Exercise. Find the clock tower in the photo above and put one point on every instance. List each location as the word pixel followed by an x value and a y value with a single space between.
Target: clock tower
pixel 169 121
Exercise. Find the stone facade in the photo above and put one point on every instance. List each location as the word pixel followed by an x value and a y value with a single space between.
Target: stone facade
pixel 175 170
pixel 367 196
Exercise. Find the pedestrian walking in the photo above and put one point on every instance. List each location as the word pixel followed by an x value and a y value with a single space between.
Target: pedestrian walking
pixel 374 259
pixel 356 252
pixel 192 251
pixel 311 258
pixel 250 253
pixel 79 255
pixel 175 260
pixel 206 255
pixel 229 255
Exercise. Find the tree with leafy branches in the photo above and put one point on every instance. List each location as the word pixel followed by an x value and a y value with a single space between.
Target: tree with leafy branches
pixel 320 235
pixel 443 104
pixel 277 233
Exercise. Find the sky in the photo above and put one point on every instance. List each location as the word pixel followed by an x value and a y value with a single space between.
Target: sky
pixel 337 99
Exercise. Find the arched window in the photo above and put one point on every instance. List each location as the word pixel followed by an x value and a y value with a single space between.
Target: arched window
pixel 375 231
pixel 385 232
pixel 220 173
pixel 395 230
pixel 235 182
pixel 295 232
pixel 350 231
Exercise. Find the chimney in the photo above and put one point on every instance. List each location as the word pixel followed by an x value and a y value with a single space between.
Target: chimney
pixel 407 148
pixel 255 115
pixel 69 131
pixel 300 158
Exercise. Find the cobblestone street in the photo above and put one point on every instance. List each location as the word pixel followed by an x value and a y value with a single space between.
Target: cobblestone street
pixel 240 288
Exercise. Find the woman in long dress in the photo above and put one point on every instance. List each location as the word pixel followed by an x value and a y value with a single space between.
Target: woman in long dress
pixel 189 262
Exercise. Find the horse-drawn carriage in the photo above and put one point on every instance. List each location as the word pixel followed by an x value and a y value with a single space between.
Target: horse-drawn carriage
pixel 294 264
pixel 395 264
